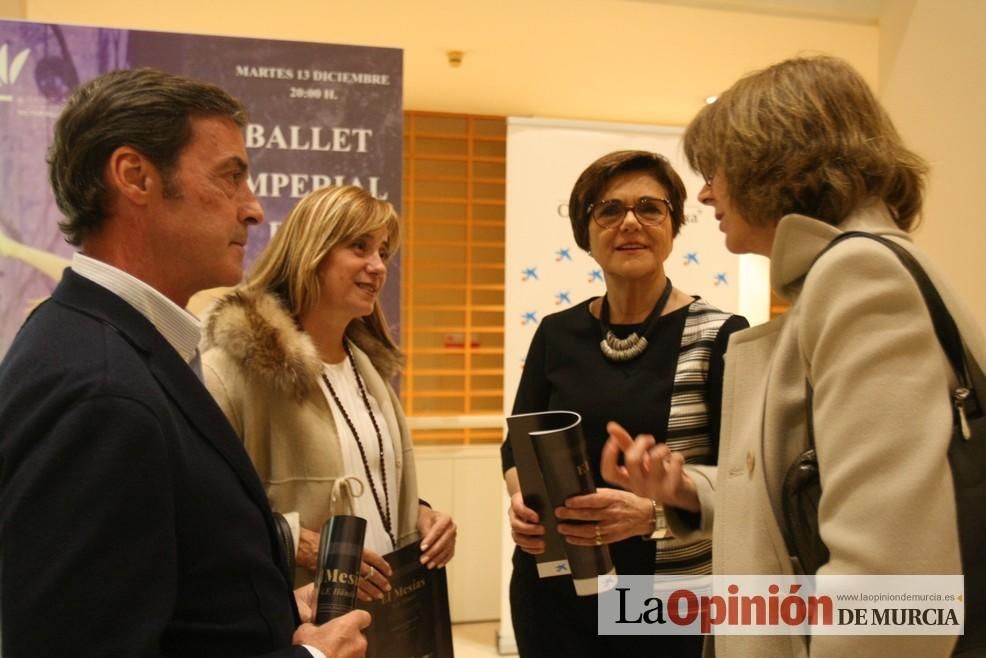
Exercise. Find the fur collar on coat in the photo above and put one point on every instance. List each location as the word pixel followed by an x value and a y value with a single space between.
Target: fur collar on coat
pixel 258 332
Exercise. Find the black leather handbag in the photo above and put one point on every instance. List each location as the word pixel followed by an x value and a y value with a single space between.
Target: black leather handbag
pixel 802 491
pixel 966 456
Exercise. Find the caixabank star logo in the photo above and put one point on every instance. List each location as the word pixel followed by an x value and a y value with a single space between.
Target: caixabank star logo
pixel 10 69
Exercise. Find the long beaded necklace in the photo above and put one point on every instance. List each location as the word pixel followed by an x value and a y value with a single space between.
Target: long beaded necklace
pixel 385 508
pixel 629 348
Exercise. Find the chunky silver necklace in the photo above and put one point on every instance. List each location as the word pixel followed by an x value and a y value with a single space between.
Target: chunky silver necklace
pixel 629 348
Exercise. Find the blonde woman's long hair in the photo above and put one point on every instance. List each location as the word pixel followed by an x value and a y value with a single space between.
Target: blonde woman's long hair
pixel 288 265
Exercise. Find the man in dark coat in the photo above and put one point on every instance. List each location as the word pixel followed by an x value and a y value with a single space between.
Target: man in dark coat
pixel 132 522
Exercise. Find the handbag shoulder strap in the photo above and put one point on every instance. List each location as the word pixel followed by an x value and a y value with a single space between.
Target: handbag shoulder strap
pixel 945 327
pixel 967 373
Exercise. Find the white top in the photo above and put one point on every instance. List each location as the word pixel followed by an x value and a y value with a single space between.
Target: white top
pixel 344 383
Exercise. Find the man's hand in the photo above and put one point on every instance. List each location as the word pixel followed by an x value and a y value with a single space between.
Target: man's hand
pixel 340 638
pixel 305 598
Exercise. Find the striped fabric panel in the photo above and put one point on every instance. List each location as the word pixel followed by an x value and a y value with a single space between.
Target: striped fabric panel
pixel 688 426
pixel 689 417
pixel 694 558
pixel 700 569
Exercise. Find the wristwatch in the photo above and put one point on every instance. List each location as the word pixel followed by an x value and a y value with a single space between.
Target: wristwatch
pixel 661 530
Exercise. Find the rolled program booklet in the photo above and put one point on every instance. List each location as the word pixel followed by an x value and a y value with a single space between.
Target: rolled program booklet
pixel 562 461
pixel 340 552
pixel 552 561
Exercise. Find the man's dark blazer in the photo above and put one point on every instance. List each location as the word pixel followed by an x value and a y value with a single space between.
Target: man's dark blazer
pixel 132 522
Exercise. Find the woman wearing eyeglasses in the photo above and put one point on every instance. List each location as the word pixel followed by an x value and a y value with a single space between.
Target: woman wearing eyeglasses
pixel 644 354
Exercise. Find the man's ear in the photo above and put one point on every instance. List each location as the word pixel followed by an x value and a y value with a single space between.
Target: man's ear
pixel 131 175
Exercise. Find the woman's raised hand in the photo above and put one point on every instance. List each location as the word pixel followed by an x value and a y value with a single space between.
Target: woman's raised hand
pixel 650 469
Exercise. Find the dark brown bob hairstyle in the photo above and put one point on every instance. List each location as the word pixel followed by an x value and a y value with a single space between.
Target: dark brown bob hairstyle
pixel 598 175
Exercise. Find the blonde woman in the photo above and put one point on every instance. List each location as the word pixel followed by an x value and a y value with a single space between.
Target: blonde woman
pixel 299 358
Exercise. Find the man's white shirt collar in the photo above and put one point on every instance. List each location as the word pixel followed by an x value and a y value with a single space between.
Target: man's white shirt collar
pixel 180 328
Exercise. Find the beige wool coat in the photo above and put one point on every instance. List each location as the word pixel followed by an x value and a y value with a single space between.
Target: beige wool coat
pixel 264 372
pixel 858 329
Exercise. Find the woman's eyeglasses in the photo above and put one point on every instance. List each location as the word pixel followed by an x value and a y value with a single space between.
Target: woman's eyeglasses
pixel 648 211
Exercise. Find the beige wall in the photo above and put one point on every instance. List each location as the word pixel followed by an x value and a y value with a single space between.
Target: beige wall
pixel 933 81
pixel 13 8
pixel 466 483
pixel 625 60
pixel 615 60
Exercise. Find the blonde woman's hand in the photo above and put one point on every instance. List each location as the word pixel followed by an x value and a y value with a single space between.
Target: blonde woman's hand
pixel 307 557
pixel 438 534
pixel 374 576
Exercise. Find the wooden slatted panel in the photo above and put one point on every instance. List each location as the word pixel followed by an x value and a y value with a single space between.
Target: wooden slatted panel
pixel 453 255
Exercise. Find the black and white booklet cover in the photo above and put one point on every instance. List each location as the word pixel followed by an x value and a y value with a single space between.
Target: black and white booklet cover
pixel 552 466
pixel 412 620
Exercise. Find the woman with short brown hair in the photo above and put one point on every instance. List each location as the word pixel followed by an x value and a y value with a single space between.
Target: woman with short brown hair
pixel 644 353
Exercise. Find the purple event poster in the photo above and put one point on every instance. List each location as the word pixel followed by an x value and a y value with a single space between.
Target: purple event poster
pixel 320 114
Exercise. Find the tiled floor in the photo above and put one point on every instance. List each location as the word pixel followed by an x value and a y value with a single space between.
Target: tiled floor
pixel 475 640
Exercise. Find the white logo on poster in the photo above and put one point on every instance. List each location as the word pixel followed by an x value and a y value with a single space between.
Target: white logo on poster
pixel 10 71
